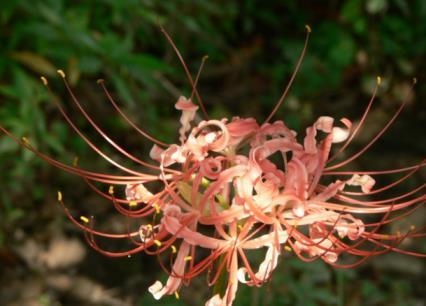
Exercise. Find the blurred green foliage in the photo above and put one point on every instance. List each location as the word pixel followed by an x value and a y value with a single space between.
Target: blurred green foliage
pixel 253 46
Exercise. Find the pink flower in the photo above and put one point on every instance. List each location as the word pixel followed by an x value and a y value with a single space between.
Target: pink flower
pixel 223 177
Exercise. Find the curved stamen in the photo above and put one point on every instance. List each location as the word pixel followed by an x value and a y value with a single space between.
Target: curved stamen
pixel 293 76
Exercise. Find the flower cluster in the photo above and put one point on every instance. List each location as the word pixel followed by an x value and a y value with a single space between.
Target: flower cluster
pixel 230 187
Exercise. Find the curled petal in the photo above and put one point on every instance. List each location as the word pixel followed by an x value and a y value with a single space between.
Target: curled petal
pixel 240 128
pixel 269 264
pixel 324 123
pixel 330 191
pixel 172 210
pixel 211 168
pixel 365 181
pixel 175 279
pixel 214 301
pixel 353 229
pixel 174 227
pixel 188 113
pixel 156 289
pixel 217 141
pixel 155 153
pixel 136 192
pixel 341 134
pixel 172 155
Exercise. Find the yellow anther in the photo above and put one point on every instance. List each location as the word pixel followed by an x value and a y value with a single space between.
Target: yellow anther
pixel 25 141
pixel 59 196
pixel 173 249
pixel 111 190
pixel 158 243
pixel 157 208
pixel 308 28
pixel 44 80
pixel 205 57
pixel 84 219
pixel 187 258
pixel 133 203
pixel 177 295
pixel 414 81
pixel 149 227
pixel 287 248
pixel 412 227
pixel 379 80
pixel 99 81
pixel 61 73
pixel 240 227
pixel 75 161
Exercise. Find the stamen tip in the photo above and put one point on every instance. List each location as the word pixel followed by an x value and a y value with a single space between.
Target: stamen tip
pixel 84 219
pixel 61 73
pixel 414 80
pixel 308 28
pixel 59 196
pixel 26 141
pixel 100 81
pixel 205 57
pixel 44 80
pixel 379 80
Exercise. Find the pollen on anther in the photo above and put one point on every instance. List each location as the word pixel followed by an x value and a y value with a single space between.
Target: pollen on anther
pixel 75 161
pixel 157 208
pixel 111 190
pixel 177 295
pixel 100 81
pixel 287 248
pixel 61 73
pixel 379 80
pixel 414 81
pixel 84 219
pixel 158 243
pixel 173 249
pixel 133 203
pixel 187 258
pixel 59 196
pixel 25 141
pixel 44 80
pixel 308 28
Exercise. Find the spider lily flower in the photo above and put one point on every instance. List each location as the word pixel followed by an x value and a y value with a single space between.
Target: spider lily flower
pixel 223 177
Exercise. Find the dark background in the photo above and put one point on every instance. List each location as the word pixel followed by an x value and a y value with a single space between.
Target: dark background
pixel 252 47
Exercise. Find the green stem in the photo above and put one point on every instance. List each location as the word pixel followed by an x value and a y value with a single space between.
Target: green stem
pixel 340 288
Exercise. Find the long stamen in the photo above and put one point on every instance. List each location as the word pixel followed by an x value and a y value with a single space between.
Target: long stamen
pixel 383 130
pixel 360 124
pixel 100 131
pixel 188 74
pixel 126 118
pixel 293 76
